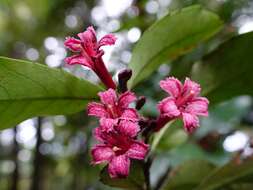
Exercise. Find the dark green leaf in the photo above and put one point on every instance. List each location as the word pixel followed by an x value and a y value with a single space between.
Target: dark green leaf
pixel 30 89
pixel 173 35
pixel 135 180
pixel 231 172
pixel 227 72
pixel 188 175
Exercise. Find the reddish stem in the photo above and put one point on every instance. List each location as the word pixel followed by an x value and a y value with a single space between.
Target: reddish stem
pixel 103 74
pixel 161 122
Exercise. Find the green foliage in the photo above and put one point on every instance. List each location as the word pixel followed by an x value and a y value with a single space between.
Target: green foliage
pixel 192 173
pixel 173 137
pixel 173 35
pixel 30 89
pixel 135 180
pixel 228 174
pixel 188 175
pixel 227 72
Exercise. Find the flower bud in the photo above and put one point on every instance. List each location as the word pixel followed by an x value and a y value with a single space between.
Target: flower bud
pixel 123 77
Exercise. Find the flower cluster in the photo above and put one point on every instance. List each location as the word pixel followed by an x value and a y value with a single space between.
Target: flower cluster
pixel 119 133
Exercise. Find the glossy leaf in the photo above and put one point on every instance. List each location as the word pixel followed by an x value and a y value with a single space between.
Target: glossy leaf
pixel 231 172
pixel 227 72
pixel 170 37
pixel 30 89
pixel 188 175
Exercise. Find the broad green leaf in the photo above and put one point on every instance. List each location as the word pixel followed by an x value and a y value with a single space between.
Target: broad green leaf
pixel 173 137
pixel 188 175
pixel 227 72
pixel 231 172
pixel 170 37
pixel 30 89
pixel 240 186
pixel 135 180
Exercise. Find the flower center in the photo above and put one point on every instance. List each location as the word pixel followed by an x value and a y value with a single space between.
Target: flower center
pixel 115 149
pixel 182 100
pixel 112 109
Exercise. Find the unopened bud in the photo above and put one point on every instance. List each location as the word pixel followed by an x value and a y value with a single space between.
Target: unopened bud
pixel 251 143
pixel 123 77
pixel 140 102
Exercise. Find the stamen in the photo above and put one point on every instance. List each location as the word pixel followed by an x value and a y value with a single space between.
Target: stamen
pixel 115 148
pixel 182 100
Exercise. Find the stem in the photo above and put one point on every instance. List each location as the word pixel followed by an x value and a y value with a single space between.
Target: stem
pixel 159 136
pixel 103 73
pixel 147 165
pixel 15 176
pixel 38 160
pixel 161 122
pixel 162 179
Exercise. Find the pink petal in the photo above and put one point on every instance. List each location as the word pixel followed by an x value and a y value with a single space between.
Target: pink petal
pixel 191 122
pixel 101 153
pixel 89 34
pixel 119 166
pixel 78 59
pixel 89 41
pixel 138 150
pixel 107 125
pixel 128 128
pixel 108 39
pixel 126 98
pixel 172 86
pixel 99 135
pixel 130 114
pixel 198 106
pixel 108 97
pixel 191 87
pixel 73 44
pixel 96 109
pixel 168 108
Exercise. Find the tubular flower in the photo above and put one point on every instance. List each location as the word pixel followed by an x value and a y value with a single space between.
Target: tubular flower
pixel 117 149
pixel 113 107
pixel 89 54
pixel 183 102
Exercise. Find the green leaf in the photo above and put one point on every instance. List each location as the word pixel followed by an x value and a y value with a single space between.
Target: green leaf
pixel 241 186
pixel 30 89
pixel 173 137
pixel 188 175
pixel 227 72
pixel 135 180
pixel 170 37
pixel 231 172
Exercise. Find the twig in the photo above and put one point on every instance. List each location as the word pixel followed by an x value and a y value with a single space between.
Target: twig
pixel 162 179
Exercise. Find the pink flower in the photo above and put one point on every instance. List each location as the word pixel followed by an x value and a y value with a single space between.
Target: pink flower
pixel 124 127
pixel 89 54
pixel 184 102
pixel 117 149
pixel 114 107
pixel 115 113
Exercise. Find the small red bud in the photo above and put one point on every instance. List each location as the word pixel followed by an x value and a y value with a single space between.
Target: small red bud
pixel 123 77
pixel 140 102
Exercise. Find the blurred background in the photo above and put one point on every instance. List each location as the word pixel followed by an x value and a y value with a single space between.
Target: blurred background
pixel 53 152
